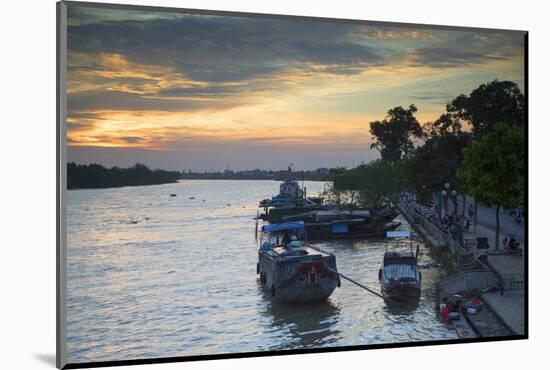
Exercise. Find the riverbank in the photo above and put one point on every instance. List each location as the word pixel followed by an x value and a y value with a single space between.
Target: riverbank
pixel 94 176
pixel 507 305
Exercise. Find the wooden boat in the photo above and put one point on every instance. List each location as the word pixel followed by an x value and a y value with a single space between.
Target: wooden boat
pixel 343 224
pixel 290 269
pixel 399 274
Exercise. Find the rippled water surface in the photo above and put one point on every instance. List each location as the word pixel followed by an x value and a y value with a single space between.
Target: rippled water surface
pixel 151 275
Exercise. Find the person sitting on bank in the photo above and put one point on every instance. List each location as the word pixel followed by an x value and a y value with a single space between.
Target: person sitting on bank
pixel 286 239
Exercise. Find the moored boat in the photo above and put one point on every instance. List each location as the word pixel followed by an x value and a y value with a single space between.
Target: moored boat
pixel 290 269
pixel 399 274
pixel 344 224
pixel 291 200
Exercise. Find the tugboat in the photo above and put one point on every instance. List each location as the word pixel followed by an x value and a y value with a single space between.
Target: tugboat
pixel 291 270
pixel 399 275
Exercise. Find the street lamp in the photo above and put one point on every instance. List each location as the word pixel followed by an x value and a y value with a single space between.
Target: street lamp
pixel 445 200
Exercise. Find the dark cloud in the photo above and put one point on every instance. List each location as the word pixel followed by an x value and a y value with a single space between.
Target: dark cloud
pixel 85 116
pixel 200 91
pixel 117 100
pixel 459 49
pixel 223 48
pixel 218 51
pixel 132 139
pixel 433 97
pixel 80 126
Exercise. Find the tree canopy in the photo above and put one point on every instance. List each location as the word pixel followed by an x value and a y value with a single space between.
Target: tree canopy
pixel 494 169
pixel 394 133
pixel 374 184
pixel 97 176
pixel 490 104
pixel 434 164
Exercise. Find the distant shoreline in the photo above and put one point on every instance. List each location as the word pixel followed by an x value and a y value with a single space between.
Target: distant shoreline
pixel 254 178
pixel 95 176
pixel 174 182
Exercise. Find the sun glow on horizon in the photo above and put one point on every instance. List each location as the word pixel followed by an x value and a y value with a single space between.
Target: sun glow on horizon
pixel 131 91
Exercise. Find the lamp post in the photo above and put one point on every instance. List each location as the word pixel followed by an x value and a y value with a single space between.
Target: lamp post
pixel 455 202
pixel 444 197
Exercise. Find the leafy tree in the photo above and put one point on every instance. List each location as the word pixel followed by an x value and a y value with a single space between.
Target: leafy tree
pixel 394 133
pixel 490 104
pixel 97 176
pixel 434 164
pixel 446 124
pixel 494 169
pixel 371 185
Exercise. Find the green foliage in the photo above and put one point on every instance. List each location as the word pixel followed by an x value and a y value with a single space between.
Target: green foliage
pixel 490 104
pixel 97 176
pixel 394 134
pixel 446 124
pixel 370 185
pixel 494 167
pixel 434 164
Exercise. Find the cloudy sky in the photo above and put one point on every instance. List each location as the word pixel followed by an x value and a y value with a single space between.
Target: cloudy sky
pixel 180 91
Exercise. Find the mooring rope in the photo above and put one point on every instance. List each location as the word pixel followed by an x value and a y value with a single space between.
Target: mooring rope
pixel 367 288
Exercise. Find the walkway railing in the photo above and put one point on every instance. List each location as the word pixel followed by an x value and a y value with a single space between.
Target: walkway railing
pixel 513 281
pixel 465 258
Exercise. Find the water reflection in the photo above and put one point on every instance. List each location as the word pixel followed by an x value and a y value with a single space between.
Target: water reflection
pixel 306 326
pixel 181 280
pixel 402 307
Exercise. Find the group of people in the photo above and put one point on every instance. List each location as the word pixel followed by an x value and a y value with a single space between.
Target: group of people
pixel 451 309
pixel 453 225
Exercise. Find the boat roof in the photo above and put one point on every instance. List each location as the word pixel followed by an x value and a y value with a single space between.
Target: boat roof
pixel 398 234
pixel 271 228
pixel 399 258
pixel 358 212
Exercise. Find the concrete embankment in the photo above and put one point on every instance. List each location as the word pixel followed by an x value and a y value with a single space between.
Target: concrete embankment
pixel 499 316
pixel 432 242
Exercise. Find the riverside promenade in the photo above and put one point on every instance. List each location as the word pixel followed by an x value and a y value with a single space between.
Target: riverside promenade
pixel 508 305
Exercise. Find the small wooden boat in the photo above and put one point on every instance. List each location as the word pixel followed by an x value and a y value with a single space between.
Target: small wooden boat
pixel 290 269
pixel 399 274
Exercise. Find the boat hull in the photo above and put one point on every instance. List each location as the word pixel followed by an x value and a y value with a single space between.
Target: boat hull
pixel 401 292
pixel 279 214
pixel 303 280
pixel 341 230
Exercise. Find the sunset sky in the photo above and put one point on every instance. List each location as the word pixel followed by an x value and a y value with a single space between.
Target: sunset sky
pixel 198 92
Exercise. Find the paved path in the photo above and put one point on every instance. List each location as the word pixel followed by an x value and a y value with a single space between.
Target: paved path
pixel 486 227
pixel 509 307
pixel 486 219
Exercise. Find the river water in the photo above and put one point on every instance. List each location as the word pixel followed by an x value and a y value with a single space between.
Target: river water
pixel 151 275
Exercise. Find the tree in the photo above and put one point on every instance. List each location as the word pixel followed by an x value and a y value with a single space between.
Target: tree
pixel 490 104
pixel 434 164
pixel 97 176
pixel 371 185
pixel 394 134
pixel 446 124
pixel 494 169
